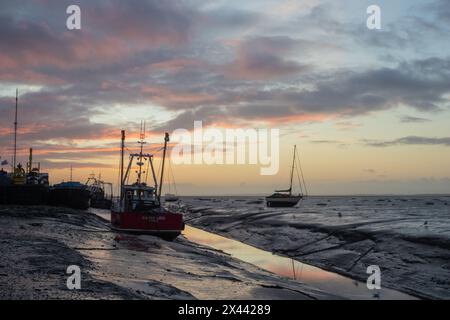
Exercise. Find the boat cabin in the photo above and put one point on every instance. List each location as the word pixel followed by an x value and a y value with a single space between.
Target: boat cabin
pixel 138 198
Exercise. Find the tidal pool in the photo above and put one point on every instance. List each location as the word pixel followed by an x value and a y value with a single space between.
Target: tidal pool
pixel 315 277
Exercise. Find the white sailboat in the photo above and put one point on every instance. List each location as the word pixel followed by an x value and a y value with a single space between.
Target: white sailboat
pixel 286 198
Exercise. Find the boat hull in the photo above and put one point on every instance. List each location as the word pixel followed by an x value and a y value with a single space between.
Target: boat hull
pixel 101 204
pixel 75 198
pixel 282 202
pixel 24 194
pixel 164 225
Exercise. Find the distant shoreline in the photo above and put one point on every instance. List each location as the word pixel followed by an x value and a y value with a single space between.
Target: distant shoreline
pixel 328 195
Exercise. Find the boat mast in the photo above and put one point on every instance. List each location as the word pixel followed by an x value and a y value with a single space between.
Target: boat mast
pixel 166 139
pixel 15 131
pixel 155 179
pixel 122 148
pixel 141 156
pixel 292 170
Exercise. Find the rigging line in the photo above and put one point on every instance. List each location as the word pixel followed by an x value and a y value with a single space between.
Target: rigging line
pixel 118 173
pixel 301 271
pixel 173 178
pixel 302 181
pixel 159 169
pixel 167 178
pixel 118 185
pixel 167 182
pixel 299 181
pixel 146 171
pixel 303 177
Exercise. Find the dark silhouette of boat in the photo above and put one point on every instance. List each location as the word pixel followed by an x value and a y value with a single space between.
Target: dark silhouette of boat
pixel 101 192
pixel 15 191
pixel 286 198
pixel 23 186
pixel 70 194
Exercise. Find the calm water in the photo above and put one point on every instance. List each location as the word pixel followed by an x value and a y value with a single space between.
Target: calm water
pixel 407 236
pixel 315 277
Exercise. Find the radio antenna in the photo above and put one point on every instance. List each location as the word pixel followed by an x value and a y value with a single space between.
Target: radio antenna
pixel 15 131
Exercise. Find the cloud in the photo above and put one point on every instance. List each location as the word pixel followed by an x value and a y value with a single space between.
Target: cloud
pixel 410 140
pixel 419 84
pixel 113 32
pixel 75 165
pixel 441 9
pixel 264 58
pixel 409 119
pixel 219 63
pixel 325 141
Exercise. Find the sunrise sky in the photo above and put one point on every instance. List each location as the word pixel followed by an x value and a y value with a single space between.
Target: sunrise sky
pixel 368 109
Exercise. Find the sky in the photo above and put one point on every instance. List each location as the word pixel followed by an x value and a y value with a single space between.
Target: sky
pixel 367 109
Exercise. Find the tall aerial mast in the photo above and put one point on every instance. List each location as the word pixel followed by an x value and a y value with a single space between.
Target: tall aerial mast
pixel 15 131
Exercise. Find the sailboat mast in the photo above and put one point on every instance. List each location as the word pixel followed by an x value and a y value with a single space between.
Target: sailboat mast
pixel 166 139
pixel 292 170
pixel 15 131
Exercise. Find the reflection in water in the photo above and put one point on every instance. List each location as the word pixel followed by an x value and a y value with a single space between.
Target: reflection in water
pixel 316 277
pixel 326 281
pixel 295 274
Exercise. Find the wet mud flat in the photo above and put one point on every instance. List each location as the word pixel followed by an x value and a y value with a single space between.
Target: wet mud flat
pixel 407 237
pixel 39 243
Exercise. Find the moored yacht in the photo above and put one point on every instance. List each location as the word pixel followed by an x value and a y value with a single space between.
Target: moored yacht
pixel 286 198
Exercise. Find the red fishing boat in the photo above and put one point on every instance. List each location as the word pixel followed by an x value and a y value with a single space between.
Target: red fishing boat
pixel 139 209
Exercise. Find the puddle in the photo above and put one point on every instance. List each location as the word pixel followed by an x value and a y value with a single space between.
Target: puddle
pixel 313 276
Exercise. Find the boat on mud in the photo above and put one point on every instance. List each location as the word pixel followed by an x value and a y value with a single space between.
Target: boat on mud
pixel 70 194
pixel 139 209
pixel 286 198
pixel 23 186
pixel 101 192
pixel 14 193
